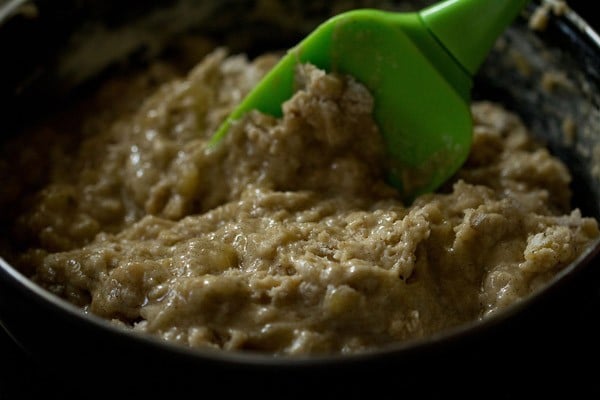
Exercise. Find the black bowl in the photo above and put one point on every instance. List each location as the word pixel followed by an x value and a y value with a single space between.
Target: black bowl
pixel 534 346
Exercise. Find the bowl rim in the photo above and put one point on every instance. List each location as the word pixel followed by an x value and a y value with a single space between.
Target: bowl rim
pixel 18 280
pixel 245 357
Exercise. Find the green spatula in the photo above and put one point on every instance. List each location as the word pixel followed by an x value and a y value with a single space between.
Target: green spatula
pixel 419 68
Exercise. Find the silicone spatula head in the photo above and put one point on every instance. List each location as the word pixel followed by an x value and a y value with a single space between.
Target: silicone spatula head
pixel 418 67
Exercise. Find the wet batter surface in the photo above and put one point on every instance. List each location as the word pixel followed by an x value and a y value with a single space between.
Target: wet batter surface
pixel 286 238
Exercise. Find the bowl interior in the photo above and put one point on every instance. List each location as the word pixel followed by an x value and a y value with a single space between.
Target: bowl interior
pixel 67 47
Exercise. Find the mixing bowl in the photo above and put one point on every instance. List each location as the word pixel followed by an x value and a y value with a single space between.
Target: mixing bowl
pixel 58 50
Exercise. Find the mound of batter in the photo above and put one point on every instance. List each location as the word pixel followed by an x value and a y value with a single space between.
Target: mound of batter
pixel 286 238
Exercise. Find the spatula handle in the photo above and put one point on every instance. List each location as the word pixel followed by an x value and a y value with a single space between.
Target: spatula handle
pixel 468 29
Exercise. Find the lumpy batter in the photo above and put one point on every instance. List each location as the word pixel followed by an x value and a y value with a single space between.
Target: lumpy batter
pixel 286 238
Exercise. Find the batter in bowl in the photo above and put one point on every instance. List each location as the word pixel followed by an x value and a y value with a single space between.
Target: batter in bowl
pixel 286 238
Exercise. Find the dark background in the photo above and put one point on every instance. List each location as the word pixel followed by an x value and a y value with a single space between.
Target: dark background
pixel 586 9
pixel 575 353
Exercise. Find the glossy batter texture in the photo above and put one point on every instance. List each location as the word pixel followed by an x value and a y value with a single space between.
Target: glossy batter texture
pixel 286 238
